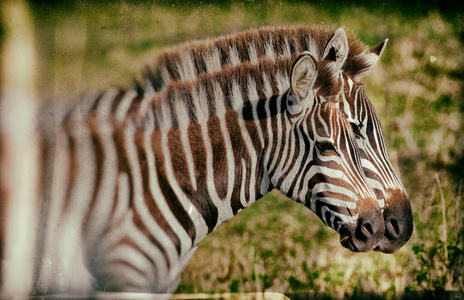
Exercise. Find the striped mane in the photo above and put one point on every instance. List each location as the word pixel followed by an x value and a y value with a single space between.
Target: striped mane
pixel 214 93
pixel 191 59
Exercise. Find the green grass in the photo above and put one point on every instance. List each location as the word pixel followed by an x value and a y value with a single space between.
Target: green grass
pixel 277 245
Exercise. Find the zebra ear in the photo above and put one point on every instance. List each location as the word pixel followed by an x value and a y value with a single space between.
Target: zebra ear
pixel 367 60
pixel 303 76
pixel 337 48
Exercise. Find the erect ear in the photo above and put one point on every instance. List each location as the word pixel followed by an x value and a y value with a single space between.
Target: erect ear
pixel 367 60
pixel 303 76
pixel 337 48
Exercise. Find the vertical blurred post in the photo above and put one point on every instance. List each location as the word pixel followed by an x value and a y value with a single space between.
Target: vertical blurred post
pixel 19 151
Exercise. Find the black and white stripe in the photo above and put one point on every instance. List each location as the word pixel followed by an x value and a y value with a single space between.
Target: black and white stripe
pixel 195 58
pixel 275 44
pixel 130 201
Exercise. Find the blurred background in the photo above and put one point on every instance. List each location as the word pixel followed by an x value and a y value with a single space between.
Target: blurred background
pixel 277 245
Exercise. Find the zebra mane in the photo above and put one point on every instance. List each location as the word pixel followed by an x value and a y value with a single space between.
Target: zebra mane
pixel 193 58
pixel 184 102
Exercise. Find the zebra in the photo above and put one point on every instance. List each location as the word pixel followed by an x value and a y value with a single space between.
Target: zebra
pixel 351 60
pixel 125 204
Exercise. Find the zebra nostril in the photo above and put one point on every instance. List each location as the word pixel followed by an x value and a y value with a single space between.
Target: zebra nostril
pixel 364 235
pixel 367 230
pixel 393 228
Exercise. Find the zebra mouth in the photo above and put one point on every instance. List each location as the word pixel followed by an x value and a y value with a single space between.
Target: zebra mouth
pixel 346 242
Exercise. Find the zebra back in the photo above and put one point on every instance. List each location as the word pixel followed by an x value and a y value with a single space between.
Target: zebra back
pixel 187 61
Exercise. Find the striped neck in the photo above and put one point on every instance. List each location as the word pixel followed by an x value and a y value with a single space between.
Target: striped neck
pixel 215 134
pixel 218 164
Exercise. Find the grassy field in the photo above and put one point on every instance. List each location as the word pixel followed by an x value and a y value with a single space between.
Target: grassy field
pixel 277 245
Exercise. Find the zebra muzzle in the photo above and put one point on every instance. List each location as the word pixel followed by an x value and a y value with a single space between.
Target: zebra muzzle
pixel 398 223
pixel 363 235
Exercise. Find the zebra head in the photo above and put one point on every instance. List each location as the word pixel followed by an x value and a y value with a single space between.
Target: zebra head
pixel 348 61
pixel 366 126
pixel 323 170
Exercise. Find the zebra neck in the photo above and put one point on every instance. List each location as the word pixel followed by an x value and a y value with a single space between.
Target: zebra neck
pixel 215 168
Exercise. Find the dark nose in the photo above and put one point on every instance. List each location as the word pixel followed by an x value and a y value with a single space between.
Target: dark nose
pixel 365 234
pixel 367 228
pixel 398 223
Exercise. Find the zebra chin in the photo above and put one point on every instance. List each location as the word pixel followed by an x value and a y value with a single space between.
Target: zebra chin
pixel 365 234
pixel 398 222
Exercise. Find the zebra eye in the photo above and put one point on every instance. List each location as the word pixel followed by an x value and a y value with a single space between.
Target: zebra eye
pixel 326 148
pixel 357 130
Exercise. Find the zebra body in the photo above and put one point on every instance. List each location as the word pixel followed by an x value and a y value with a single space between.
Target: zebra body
pixel 124 204
pixel 350 61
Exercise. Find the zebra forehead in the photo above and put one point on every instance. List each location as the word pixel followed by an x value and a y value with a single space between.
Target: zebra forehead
pixel 330 113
